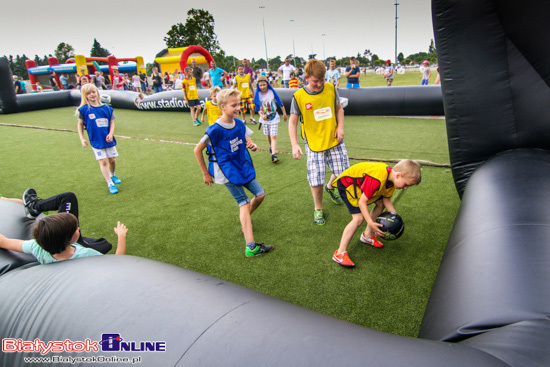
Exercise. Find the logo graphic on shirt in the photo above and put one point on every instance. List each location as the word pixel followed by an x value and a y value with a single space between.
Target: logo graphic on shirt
pixel 309 106
pixel 235 144
pixel 91 116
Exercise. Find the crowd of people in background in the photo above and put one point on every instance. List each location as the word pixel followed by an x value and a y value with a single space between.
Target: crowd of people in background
pixel 286 76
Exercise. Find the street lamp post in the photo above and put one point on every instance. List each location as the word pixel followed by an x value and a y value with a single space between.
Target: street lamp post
pixel 324 57
pixel 265 42
pixel 293 49
pixel 395 60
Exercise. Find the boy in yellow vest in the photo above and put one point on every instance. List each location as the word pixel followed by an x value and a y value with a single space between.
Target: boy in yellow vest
pixel 318 107
pixel 191 95
pixel 244 85
pixel 211 107
pixel 367 183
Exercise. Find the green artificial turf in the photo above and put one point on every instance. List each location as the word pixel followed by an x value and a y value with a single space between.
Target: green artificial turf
pixel 174 217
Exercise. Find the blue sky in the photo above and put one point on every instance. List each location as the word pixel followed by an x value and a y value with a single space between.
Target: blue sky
pixel 131 28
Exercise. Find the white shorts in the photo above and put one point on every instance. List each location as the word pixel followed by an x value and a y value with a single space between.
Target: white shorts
pixel 105 153
pixel 270 129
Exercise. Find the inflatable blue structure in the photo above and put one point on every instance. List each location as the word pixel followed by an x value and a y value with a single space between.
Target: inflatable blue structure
pixel 490 303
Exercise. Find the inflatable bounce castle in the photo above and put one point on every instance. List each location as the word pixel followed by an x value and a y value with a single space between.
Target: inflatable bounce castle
pixel 82 65
pixel 490 303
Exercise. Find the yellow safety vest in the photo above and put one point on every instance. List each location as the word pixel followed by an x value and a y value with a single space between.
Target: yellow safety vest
pixel 213 111
pixel 358 173
pixel 191 88
pixel 318 117
pixel 243 85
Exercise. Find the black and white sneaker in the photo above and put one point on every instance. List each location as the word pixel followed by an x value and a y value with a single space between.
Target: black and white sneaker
pixel 254 122
pixel 29 199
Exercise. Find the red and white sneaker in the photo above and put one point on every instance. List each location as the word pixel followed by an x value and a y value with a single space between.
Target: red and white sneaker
pixel 372 240
pixel 343 259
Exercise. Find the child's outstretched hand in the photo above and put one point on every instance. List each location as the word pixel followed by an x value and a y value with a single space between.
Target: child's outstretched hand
pixel 250 145
pixel 375 226
pixel 120 229
pixel 84 143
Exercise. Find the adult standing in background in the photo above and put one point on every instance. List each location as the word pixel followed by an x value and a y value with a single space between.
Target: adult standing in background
pixel 157 80
pixel 143 81
pixel 197 73
pixel 248 70
pixel 19 85
pixel 216 74
pixel 64 81
pixel 53 81
pixel 352 74
pixel 285 71
pixel 99 80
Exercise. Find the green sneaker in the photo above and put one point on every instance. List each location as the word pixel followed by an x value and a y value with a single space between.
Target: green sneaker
pixel 258 250
pixel 319 217
pixel 334 195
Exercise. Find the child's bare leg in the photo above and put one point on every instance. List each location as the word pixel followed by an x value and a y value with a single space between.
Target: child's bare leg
pixel 378 208
pixel 331 180
pixel 273 144
pixel 246 222
pixel 192 109
pixel 105 170
pixel 317 193
pixel 112 165
pixel 349 231
pixel 255 202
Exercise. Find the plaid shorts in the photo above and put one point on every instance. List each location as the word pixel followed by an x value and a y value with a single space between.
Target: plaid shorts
pixel 336 158
pixel 247 101
pixel 270 129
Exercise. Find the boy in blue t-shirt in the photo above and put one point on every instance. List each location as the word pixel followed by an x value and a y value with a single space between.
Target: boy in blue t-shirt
pixel 230 164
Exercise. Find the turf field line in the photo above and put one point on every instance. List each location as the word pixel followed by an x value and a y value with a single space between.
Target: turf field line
pixel 389 160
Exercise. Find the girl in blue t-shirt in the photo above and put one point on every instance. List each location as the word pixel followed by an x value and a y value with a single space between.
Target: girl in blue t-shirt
pixel 98 120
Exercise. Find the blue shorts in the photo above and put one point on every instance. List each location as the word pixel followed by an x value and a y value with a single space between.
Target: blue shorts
pixel 343 194
pixel 237 191
pixel 194 103
pixel 352 86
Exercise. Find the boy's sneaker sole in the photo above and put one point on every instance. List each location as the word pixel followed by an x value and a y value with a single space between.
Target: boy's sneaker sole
pixel 258 250
pixel 29 197
pixel 334 195
pixel 372 240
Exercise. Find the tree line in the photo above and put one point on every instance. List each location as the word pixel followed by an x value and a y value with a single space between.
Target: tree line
pixel 198 29
pixel 63 52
